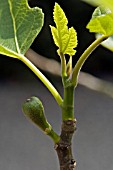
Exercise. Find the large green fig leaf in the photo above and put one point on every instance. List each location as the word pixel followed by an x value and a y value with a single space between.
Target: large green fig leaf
pixel 19 25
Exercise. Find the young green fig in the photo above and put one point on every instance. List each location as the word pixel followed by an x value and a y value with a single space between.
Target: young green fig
pixel 34 111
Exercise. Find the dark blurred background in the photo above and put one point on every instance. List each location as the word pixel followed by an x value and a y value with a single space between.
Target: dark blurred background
pixel 22 145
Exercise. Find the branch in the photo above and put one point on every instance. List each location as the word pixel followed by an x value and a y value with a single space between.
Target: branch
pixel 64 148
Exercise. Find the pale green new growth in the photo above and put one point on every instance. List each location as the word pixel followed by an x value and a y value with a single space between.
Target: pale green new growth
pixel 107 9
pixel 64 38
pixel 101 21
pixel 19 25
pixel 100 11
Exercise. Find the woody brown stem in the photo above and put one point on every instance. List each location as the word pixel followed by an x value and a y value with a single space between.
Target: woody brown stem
pixel 64 146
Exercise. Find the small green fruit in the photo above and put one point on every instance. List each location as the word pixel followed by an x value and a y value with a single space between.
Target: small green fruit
pixel 34 110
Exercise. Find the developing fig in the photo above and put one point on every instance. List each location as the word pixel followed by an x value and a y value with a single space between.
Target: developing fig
pixel 34 110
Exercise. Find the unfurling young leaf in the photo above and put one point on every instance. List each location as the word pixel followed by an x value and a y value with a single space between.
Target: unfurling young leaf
pixel 101 21
pixel 64 38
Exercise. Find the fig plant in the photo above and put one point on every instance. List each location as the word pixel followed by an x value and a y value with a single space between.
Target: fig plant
pixel 17 33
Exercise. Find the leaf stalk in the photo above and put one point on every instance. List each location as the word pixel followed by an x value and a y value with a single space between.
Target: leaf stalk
pixel 83 58
pixel 63 67
pixel 45 81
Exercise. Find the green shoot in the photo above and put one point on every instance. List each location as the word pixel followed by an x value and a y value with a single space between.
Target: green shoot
pixel 64 38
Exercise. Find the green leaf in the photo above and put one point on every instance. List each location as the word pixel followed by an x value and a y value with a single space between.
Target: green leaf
pixel 19 25
pixel 101 22
pixel 64 38
pixel 100 11
pixel 72 42
pixel 55 35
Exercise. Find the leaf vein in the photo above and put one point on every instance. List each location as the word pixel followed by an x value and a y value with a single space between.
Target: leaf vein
pixel 14 25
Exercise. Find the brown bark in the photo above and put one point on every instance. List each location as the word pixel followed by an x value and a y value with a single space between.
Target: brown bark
pixel 64 147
